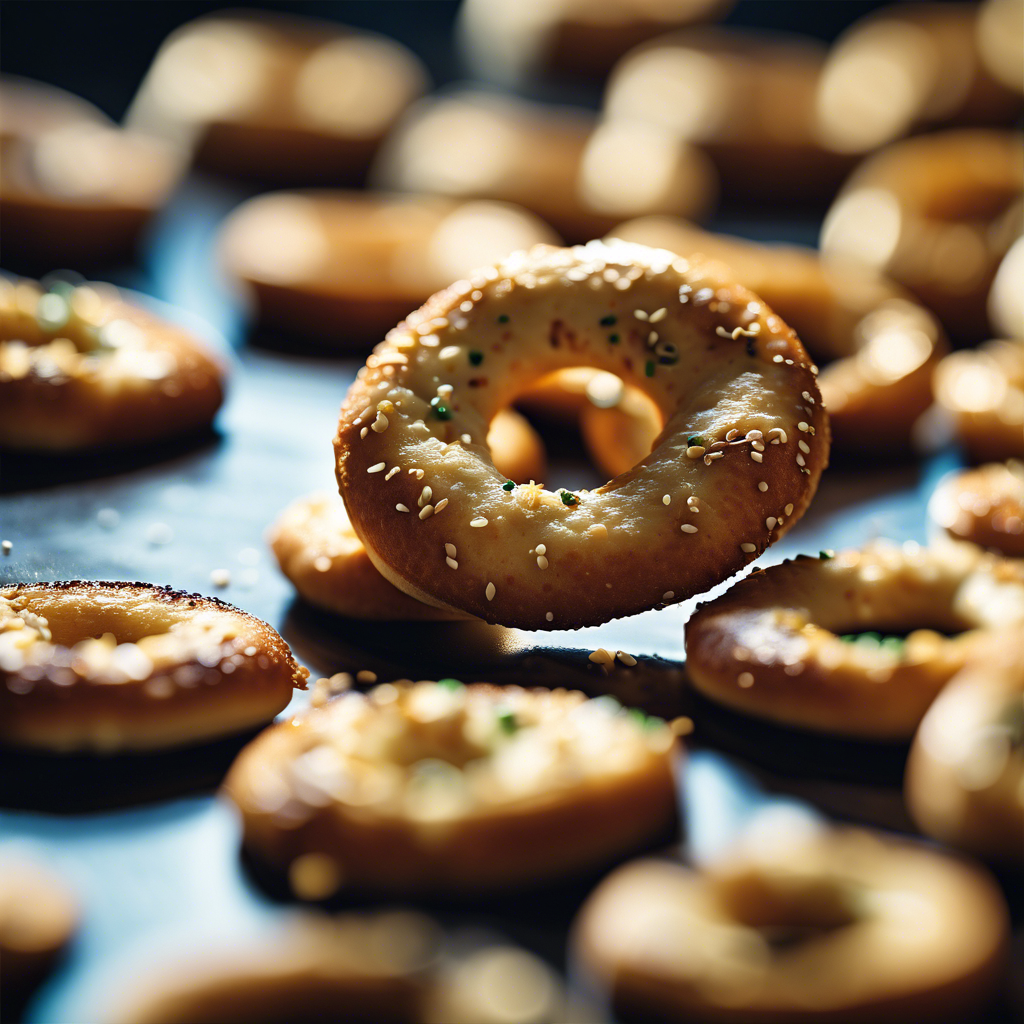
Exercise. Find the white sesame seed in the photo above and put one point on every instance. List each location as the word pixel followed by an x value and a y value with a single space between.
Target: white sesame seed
pixel 652 338
pixel 713 455
pixel 542 549
pixel 668 595
pixel 732 433
pixel 377 467
pixel 692 504
pixel 688 528
pixel 449 352
pixel 542 562
pixel 757 456
pixel 777 359
pixel 804 447
pixel 806 395
pixel 365 676
pixel 425 496
pixel 401 507
pixel 490 592
pixel 392 472
pixel 449 549
pixel 800 461
pixel 666 499
pixel 789 509
pixel 478 522
pixel 747 547
pixel 745 680
pixel 380 424
pixel 754 435
pixel 757 446
pixel 452 564
pixel 695 451
pixel 770 522
pixel 550 616
pixel 426 512
pixel 640 314
pixel 363 433
pixel 762 486
pixel 441 505
pixel 602 657
pixel 626 659
pixel 722 332
pixel 220 577
pixel 802 425
pixel 466 439
pixel 657 315
pixel 6 546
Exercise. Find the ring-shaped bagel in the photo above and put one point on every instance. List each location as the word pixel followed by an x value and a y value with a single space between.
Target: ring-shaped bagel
pixel 964 782
pixel 984 506
pixel 318 550
pixel 745 440
pixel 129 666
pixel 878 348
pixel 982 391
pixel 771 646
pixel 820 926
pixel 445 788
pixel 936 213
pixel 81 367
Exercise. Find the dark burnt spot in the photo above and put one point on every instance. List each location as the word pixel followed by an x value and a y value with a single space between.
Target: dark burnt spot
pixel 478 382
pixel 751 347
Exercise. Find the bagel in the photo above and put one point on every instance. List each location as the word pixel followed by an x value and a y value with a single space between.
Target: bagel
pixel 906 67
pixel 108 667
pixel 478 145
pixel 343 267
pixel 387 966
pixel 984 506
pixel 82 367
pixel 38 918
pixel 936 213
pixel 1000 23
pixel 788 643
pixel 1006 299
pixel 835 924
pixel 965 777
pixel 445 788
pixel 746 98
pixel 74 188
pixel 982 392
pixel 729 377
pixel 513 43
pixel 276 97
pixel 880 347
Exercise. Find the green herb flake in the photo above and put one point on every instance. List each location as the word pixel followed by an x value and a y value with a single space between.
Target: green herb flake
pixel 503 319
pixel 475 358
pixel 450 684
pixel 507 721
pixel 508 485
pixel 613 338
pixel 440 409
pixel 608 321
pixel 649 368
pixel 695 440
pixel 568 498
pixel 826 555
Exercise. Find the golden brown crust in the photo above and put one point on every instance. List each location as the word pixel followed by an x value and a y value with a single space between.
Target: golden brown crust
pixel 277 97
pixel 38 917
pixel 443 788
pixel 769 646
pixel 984 506
pixel 670 943
pixel 881 348
pixel 344 267
pixel 982 393
pixel 129 666
pixel 753 401
pixel 964 783
pixel 83 368
pixel 936 213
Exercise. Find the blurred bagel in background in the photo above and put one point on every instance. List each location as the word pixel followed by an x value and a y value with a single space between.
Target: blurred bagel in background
pixel 343 268
pixel 74 188
pixel 276 97
pixel 581 176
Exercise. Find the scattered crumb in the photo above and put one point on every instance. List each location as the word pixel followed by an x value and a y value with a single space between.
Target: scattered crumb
pixel 6 546
pixel 220 577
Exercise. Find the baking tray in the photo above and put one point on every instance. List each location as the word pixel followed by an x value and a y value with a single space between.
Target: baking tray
pixel 151 851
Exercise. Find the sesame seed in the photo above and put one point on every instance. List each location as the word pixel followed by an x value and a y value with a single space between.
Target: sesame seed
pixel 804 447
pixel 770 522
pixel 449 549
pixel 745 680
pixel 802 425
pixel 681 726
pixel 652 339
pixel 712 456
pixel 6 546
pixel 732 433
pixel 722 332
pixel 695 451
pixel 692 504
pixel 426 512
pixel 425 496
pixel 762 486
pixel 789 509
pixel 542 562
pixel 380 424
pixel 626 659
pixel 466 439
pixel 452 564
pixel 391 472
pixel 754 435
pixel 602 657
pixel 688 528
pixel 800 461
pixel 657 315
pixel 757 446
pixel 782 435
pixel 449 352
pixel 747 547
pixel 490 592
pixel 220 577
pixel 401 507
pixel 478 522
pixel 542 549
pixel 668 595
pixel 441 505
pixel 666 499
pixel 363 433
pixel 365 676
pixel 377 467
pixel 806 395
pixel 757 456
pixel 550 616
pixel 640 314
pixel 777 359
